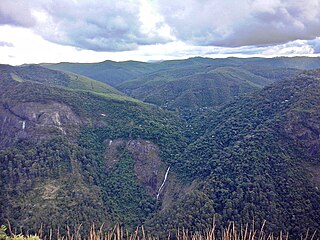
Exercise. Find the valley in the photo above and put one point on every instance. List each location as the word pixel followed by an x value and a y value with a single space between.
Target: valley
pixel 168 145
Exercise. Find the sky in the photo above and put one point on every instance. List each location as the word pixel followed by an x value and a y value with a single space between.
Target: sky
pixel 49 31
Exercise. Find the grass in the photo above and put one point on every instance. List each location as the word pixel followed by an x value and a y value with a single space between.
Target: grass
pixel 84 83
pixel 119 233
pixel 16 77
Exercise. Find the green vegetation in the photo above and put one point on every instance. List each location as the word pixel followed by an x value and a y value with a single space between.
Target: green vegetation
pixel 194 88
pixel 4 236
pixel 116 73
pixel 190 84
pixel 48 179
pixel 43 75
pixel 108 72
pixel 127 200
pixel 235 151
pixel 245 232
pixel 252 163
pixel 63 178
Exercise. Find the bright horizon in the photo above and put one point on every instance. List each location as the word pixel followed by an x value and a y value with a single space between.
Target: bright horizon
pixel 38 31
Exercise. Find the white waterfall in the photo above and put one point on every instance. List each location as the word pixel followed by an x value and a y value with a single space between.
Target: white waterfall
pixel 164 181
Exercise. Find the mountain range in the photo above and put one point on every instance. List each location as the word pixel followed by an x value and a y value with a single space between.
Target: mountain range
pixel 167 145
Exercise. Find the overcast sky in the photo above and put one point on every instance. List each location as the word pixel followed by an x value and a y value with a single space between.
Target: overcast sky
pixel 34 31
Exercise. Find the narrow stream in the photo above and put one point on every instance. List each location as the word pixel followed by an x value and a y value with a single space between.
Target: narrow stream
pixel 164 181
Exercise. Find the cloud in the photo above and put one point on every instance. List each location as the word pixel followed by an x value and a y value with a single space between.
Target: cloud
pixel 315 44
pixel 100 25
pixel 125 25
pixel 294 48
pixel 17 13
pixel 6 44
pixel 232 23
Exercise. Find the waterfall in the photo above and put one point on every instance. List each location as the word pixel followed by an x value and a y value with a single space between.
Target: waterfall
pixel 164 181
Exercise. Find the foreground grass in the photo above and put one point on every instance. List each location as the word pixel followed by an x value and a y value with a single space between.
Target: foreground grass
pixel 119 233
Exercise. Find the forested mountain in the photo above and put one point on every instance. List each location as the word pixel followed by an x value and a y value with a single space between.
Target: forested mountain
pixel 71 155
pixel 115 73
pixel 258 159
pixel 198 87
pixel 109 72
pixel 192 83
pixel 54 162
pixel 43 75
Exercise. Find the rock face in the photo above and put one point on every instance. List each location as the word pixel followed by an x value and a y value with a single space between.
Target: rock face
pixel 303 127
pixel 303 117
pixel 113 152
pixel 52 172
pixel 148 166
pixel 34 121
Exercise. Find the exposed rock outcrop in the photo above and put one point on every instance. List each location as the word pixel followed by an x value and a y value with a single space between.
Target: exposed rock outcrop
pixel 148 166
pixel 303 127
pixel 35 121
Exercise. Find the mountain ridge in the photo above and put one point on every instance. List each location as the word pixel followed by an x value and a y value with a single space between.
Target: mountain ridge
pixel 81 156
pixel 43 75
pixel 254 162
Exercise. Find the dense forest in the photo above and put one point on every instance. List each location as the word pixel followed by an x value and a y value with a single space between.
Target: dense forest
pixel 172 145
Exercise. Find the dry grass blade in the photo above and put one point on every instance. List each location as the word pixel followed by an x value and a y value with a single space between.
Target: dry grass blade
pixel 119 233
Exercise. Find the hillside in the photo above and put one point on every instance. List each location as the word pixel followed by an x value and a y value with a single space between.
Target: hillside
pixel 192 83
pixel 108 72
pixel 198 87
pixel 115 73
pixel 73 156
pixel 258 159
pixel 43 75
pixel 56 147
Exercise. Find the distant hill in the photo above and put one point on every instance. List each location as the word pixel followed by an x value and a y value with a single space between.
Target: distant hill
pixel 72 154
pixel 191 83
pixel 43 75
pixel 200 86
pixel 109 72
pixel 115 73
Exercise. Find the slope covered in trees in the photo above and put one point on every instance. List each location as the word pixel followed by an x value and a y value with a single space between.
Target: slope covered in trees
pixel 52 159
pixel 192 83
pixel 43 75
pixel 115 73
pixel 193 88
pixel 258 159
pixel 74 156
